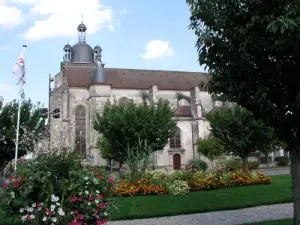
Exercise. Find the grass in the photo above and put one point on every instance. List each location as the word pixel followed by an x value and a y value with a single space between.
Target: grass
pixel 275 222
pixel 196 202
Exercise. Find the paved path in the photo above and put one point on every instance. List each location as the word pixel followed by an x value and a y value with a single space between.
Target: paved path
pixel 275 171
pixel 231 217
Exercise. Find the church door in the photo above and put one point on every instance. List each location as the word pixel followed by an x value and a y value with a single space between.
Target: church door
pixel 176 162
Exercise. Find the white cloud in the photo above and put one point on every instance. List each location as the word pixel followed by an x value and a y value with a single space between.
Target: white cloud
pixel 157 49
pixel 9 15
pixel 5 48
pixel 61 17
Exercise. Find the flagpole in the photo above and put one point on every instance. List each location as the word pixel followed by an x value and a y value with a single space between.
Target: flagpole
pixel 18 120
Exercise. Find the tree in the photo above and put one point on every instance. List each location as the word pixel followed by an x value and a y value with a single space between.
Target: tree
pixel 126 125
pixel 105 151
pixel 238 132
pixel 32 125
pixel 252 51
pixel 210 148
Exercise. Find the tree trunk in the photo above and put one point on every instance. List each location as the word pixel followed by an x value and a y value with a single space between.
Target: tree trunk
pixel 245 163
pixel 266 158
pixel 295 171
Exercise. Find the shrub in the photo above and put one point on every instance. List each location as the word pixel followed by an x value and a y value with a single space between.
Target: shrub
pixel 282 161
pixel 184 175
pixel 178 187
pixel 57 182
pixel 196 165
pixel 252 165
pixel 233 165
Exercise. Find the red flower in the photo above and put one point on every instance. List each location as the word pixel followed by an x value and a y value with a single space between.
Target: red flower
pixel 110 180
pixel 99 222
pixel 95 211
pixel 12 177
pixel 99 177
pixel 99 196
pixel 101 205
pixel 75 211
pixel 91 197
pixel 29 218
pixel 74 199
pixel 5 184
pixel 39 204
pixel 80 199
pixel 95 172
pixel 19 179
pixel 81 217
pixel 16 184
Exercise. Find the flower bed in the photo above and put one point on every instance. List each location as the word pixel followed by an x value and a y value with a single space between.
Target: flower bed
pixel 181 182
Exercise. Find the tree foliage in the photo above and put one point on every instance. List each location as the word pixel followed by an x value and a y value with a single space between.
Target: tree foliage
pixel 252 50
pixel 32 126
pixel 126 125
pixel 210 148
pixel 239 132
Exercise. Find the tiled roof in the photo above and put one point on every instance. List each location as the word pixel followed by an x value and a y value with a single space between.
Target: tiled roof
pixel 80 76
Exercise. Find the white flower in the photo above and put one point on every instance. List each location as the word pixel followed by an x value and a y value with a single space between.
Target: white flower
pixel 52 207
pixel 80 193
pixel 105 213
pixel 86 192
pixel 95 181
pixel 44 218
pixel 24 218
pixel 96 201
pixel 49 173
pixel 30 209
pixel 97 192
pixel 12 194
pixel 86 178
pixel 89 203
pixel 54 219
pixel 57 203
pixel 33 205
pixel 32 216
pixel 21 210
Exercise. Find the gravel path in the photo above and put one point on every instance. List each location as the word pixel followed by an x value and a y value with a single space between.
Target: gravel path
pixel 232 217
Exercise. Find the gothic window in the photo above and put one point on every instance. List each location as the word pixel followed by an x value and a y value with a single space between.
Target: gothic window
pixel 123 101
pixel 80 130
pixel 175 141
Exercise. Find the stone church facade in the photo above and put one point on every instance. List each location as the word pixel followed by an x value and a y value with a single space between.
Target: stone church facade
pixel 84 85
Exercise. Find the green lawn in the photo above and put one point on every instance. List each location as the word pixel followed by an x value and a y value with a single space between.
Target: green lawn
pixel 224 199
pixel 275 222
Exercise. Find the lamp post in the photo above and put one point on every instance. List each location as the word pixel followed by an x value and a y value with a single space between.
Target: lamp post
pixel 51 79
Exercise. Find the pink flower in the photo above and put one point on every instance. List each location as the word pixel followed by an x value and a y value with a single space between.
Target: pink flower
pixel 75 211
pixel 95 211
pixel 74 199
pixel 39 204
pixel 101 205
pixel 81 217
pixel 110 180
pixel 99 222
pixel 99 196
pixel 29 218
pixel 80 199
pixel 91 197
pixel 5 184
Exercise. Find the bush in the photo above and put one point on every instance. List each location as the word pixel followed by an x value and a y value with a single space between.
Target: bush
pixel 58 182
pixel 252 165
pixel 233 165
pixel 180 175
pixel 282 161
pixel 178 187
pixel 196 165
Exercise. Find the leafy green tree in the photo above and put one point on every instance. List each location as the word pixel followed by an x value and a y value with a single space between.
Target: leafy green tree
pixel 252 51
pixel 238 131
pixel 106 151
pixel 126 125
pixel 210 148
pixel 32 126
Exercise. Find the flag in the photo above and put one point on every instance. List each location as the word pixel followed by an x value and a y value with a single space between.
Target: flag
pixel 19 69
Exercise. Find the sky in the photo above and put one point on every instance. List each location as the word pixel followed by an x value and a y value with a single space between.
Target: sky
pixel 135 34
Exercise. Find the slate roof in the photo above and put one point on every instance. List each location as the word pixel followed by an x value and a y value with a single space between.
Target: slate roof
pixel 81 76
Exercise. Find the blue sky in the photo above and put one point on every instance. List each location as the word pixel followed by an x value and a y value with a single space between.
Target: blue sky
pixel 138 34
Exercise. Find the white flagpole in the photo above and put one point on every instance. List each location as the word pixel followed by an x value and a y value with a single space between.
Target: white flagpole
pixel 18 120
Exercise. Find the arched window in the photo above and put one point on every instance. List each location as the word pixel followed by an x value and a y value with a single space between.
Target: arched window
pixel 80 130
pixel 123 101
pixel 175 141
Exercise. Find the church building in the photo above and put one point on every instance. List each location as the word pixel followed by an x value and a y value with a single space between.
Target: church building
pixel 83 85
